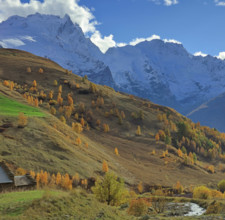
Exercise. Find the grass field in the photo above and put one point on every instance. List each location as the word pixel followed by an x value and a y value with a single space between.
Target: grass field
pixel 53 204
pixel 13 108
pixel 14 203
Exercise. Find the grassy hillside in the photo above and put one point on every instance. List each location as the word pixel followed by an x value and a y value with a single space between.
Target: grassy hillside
pixel 149 154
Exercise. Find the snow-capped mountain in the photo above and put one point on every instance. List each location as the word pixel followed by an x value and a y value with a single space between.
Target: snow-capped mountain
pixel 58 39
pixel 166 73
pixel 163 72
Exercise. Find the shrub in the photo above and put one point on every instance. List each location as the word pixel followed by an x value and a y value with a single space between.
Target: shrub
pixel 138 207
pixel 77 127
pixel 221 186
pixel 201 192
pixel 110 190
pixel 138 131
pixel 116 151
pixel 55 83
pixel 214 208
pixel 53 111
pixel 62 119
pixel 105 167
pixel 140 187
pixel 41 71
pixel 22 120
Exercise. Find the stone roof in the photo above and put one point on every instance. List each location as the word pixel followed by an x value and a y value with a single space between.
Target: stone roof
pixel 4 177
pixel 23 181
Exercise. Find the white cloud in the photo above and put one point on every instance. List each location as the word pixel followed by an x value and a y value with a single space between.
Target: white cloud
pixel 12 42
pixel 139 40
pixel 219 3
pixel 103 43
pixel 221 56
pixel 199 53
pixel 170 2
pixel 165 2
pixel 172 41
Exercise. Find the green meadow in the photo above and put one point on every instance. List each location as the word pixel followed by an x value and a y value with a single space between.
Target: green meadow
pixel 11 107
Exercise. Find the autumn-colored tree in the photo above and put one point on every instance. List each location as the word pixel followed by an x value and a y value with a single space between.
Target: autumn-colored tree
pixel 180 153
pixel 116 151
pixel 138 131
pixel 34 84
pixel 36 102
pixel 138 207
pixel 28 70
pixel 20 171
pixel 140 187
pixel 6 83
pixel 60 89
pixel 58 179
pixel 11 85
pixel 157 137
pixel 50 95
pixel 78 141
pixel 82 122
pixel 68 111
pixel 55 83
pixel 76 116
pixel 105 167
pixel 93 87
pixel 41 71
pixel 53 111
pixel 70 99
pixel 45 178
pixel 179 187
pixel 84 183
pixel 66 182
pixel 77 127
pixel 62 119
pixel 153 152
pixel 106 128
pixel 22 120
pixel 86 145
pixel 38 180
pixel 191 158
pixel 110 190
pixel 32 174
pixel 52 180
pixel 76 179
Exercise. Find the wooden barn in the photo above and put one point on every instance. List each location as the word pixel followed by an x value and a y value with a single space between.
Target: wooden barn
pixel 10 182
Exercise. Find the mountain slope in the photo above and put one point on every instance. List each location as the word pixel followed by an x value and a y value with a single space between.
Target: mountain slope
pixel 211 113
pixel 51 144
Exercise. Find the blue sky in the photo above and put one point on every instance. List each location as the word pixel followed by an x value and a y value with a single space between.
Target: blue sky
pixel 197 24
